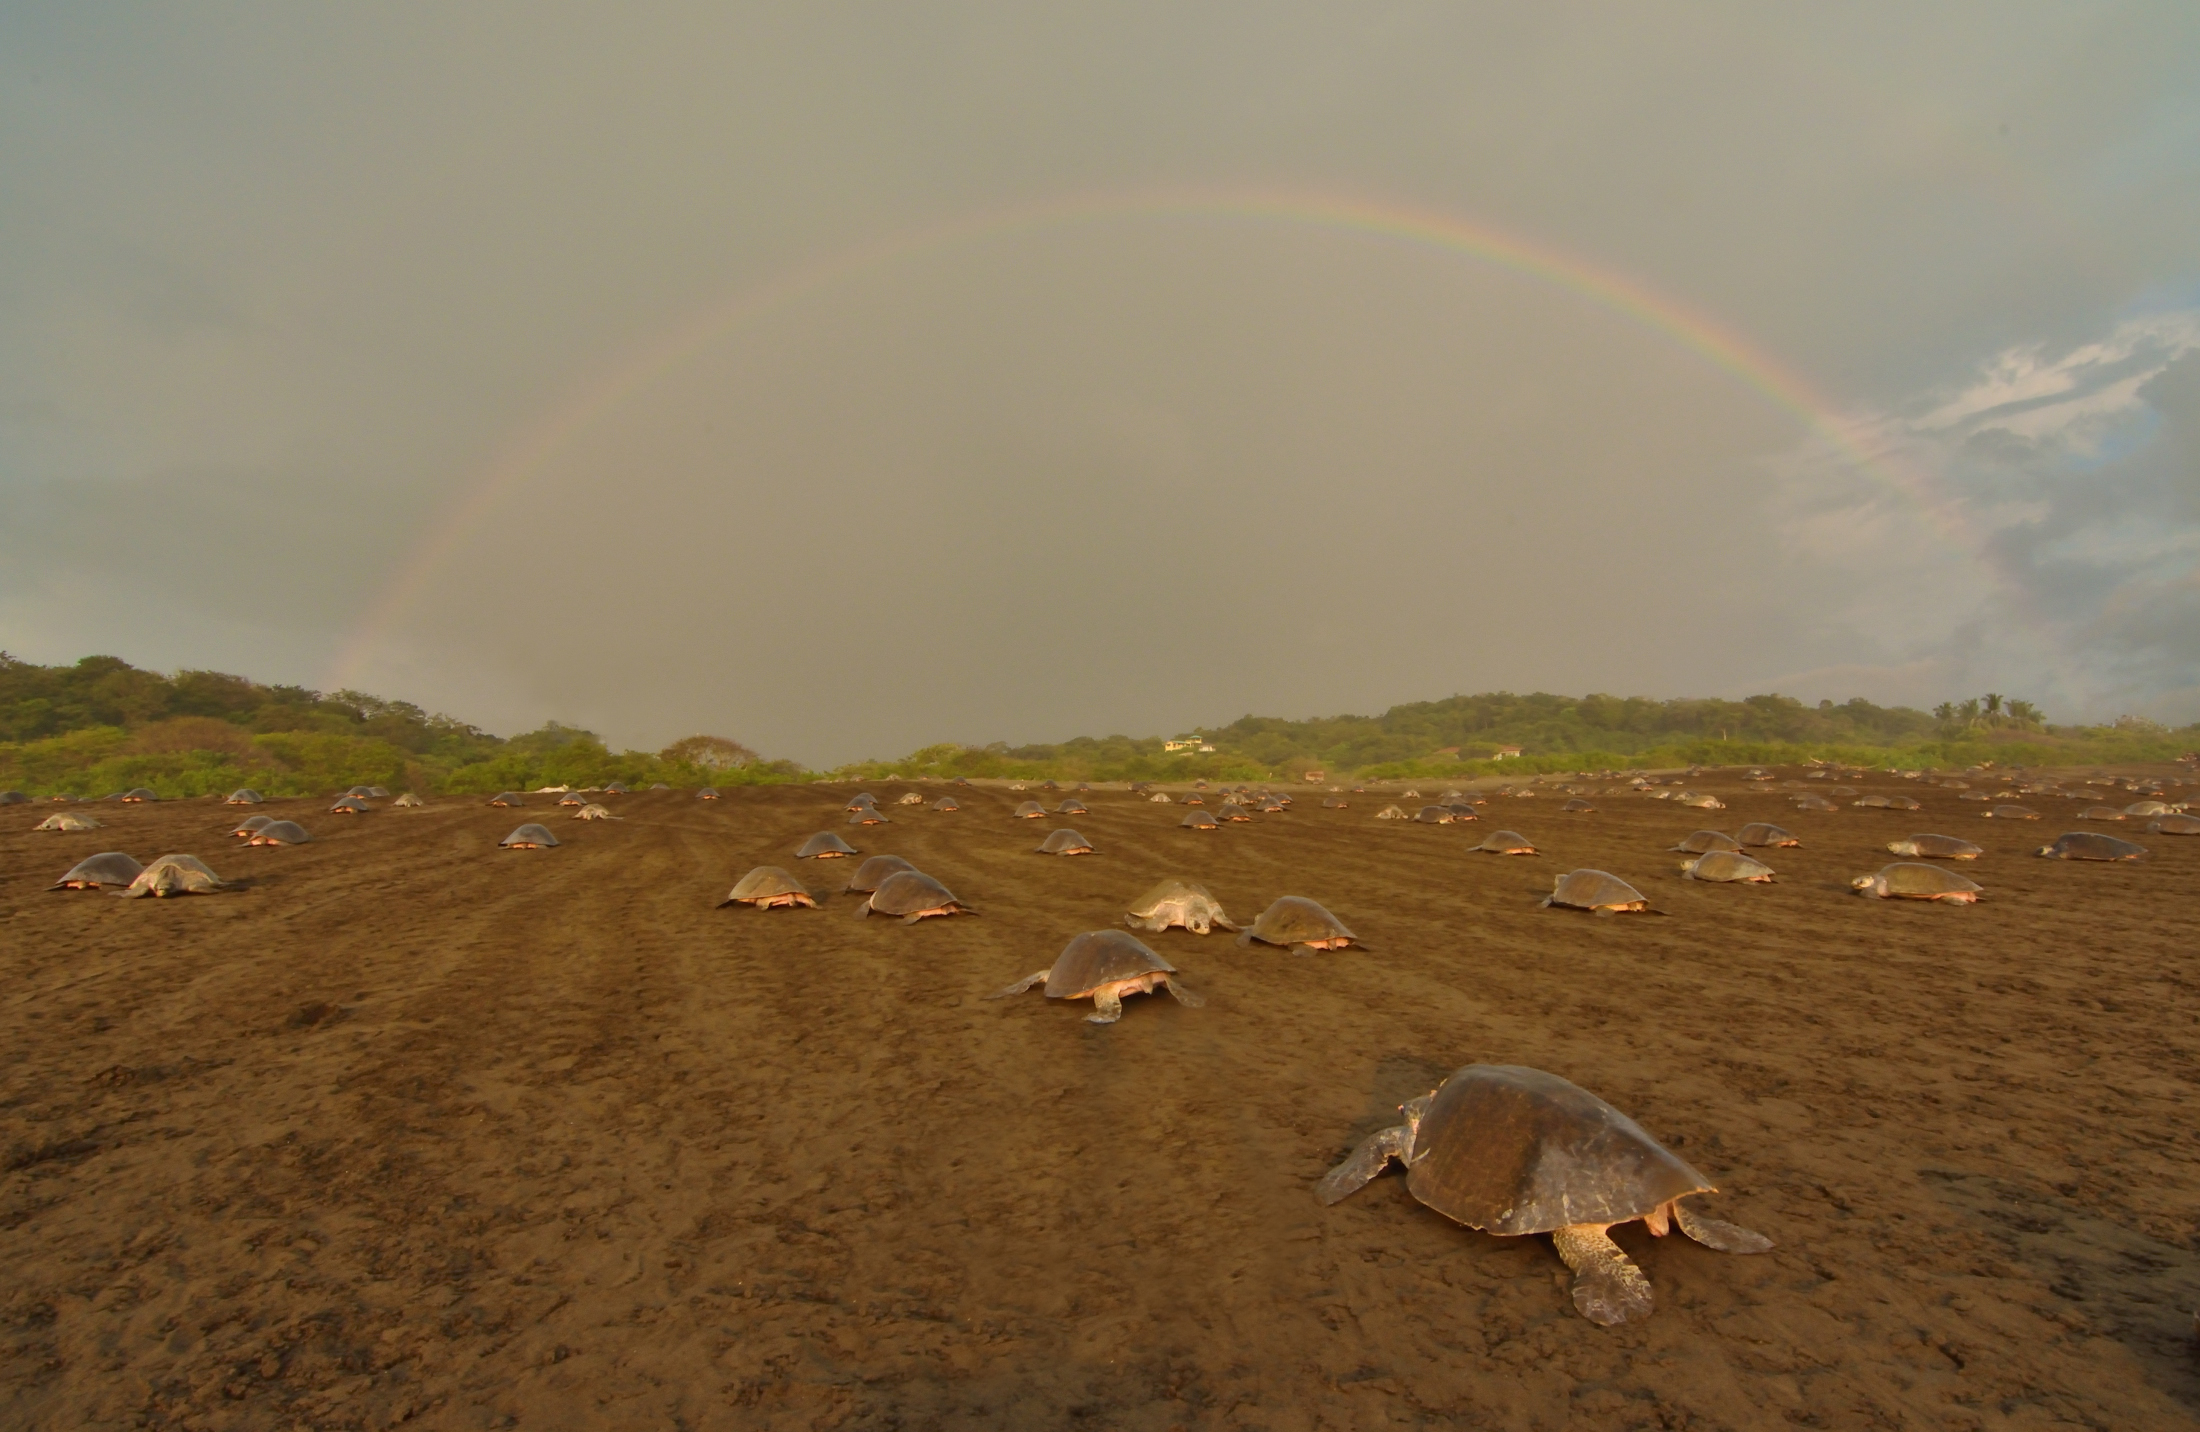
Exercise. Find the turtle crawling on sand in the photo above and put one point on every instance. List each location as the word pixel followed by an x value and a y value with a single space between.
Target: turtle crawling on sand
pixel 1909 881
pixel 1578 806
pixel 174 875
pixel 1177 902
pixel 911 798
pixel 825 845
pixel 1817 804
pixel 1935 847
pixel 872 873
pixel 2011 812
pixel 242 796
pixel 1103 966
pixel 2092 845
pixel 767 887
pixel 1299 925
pixel 1596 891
pixel 251 826
pixel 1704 841
pixel 1064 842
pixel 912 895
pixel 1507 842
pixel 1729 867
pixel 2175 825
pixel 1159 798
pixel 945 803
pixel 352 805
pixel 1392 812
pixel 1759 833
pixel 110 869
pixel 407 801
pixel 1199 820
pixel 867 815
pixel 279 832
pixel 509 798
pixel 529 837
pixel 1432 815
pixel 1029 810
pixel 67 820
pixel 1515 1151
pixel 593 811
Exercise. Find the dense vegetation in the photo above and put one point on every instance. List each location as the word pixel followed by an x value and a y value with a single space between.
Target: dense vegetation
pixel 103 725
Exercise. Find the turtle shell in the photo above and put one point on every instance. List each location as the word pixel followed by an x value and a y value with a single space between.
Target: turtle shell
pixel 764 883
pixel 527 835
pixel 361 791
pixel 1904 803
pixel 1333 803
pixel 1050 785
pixel 593 811
pixel 572 798
pixel 280 832
pixel 1159 798
pixel 509 798
pixel 138 794
pixel 2147 808
pixel 1195 800
pixel 2011 812
pixel 1818 804
pixel 242 797
pixel 1595 890
pixel 1760 833
pixel 2092 845
pixel 2101 813
pixel 1432 815
pixel 354 805
pixel 1909 881
pixel 1705 841
pixel 1189 903
pixel 945 803
pixel 871 873
pixel 408 801
pixel 910 798
pixel 1699 800
pixel 825 845
pixel 1579 806
pixel 1727 866
pixel 2175 825
pixel 1232 811
pixel 1392 813
pixel 906 892
pixel 252 824
pixel 867 815
pixel 1101 957
pixel 108 868
pixel 707 793
pixel 1065 842
pixel 1936 847
pixel 616 788
pixel 377 793
pixel 1507 842
pixel 67 820
pixel 1031 810
pixel 174 875
pixel 1296 920
pixel 1198 820
pixel 1870 802
pixel 1073 806
pixel 1514 1151
pixel 8 798
pixel 859 800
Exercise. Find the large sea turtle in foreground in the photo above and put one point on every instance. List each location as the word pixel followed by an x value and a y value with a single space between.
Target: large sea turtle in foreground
pixel 1935 847
pixel 1727 867
pixel 1064 842
pixel 1515 1151
pixel 1909 881
pixel 2092 845
pixel 825 845
pixel 174 875
pixel 1506 842
pixel 1299 925
pixel 67 820
pixel 768 887
pixel 1103 966
pixel 110 869
pixel 872 873
pixel 1596 891
pixel 912 895
pixel 529 837
pixel 1177 902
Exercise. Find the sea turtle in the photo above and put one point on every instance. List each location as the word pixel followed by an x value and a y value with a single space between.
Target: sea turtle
pixel 362 792
pixel 867 815
pixel 1073 806
pixel 1817 804
pixel 1030 810
pixel 859 800
pixel 1199 820
pixel 616 788
pixel 1579 807
pixel 2147 808
pixel 1700 800
pixel 351 805
pixel 2092 845
pixel 873 872
pixel 767 887
pixel 2175 825
pixel 1409 795
pixel 1727 867
pixel 1516 1151
pixel 1976 796
pixel 707 793
pixel 1507 842
pixel 945 803
pixel 377 793
pixel 1159 798
pixel 1177 902
pixel 593 811
pixel 509 798
pixel 1432 815
pixel 911 798
pixel 1299 925
pixel 252 825
pixel 1904 803
pixel 1232 811
pixel 1705 841
pixel 110 869
pixel 138 795
pixel 528 837
pixel 242 796
pixel 1271 805
pixel 825 845
pixel 174 875
pixel 67 820
pixel 1596 891
pixel 279 832
pixel 1050 785
pixel 572 798
pixel 1333 802
pixel 2010 812
pixel 1064 842
pixel 407 801
pixel 1935 847
pixel 8 798
pixel 1872 802
pixel 1392 812
pixel 1909 881
pixel 1758 834
pixel 1103 966
pixel 912 895
pixel 2101 813
pixel 1195 800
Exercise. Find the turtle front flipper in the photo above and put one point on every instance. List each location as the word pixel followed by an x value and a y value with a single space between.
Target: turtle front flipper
pixel 1190 999
pixel 1715 1233
pixel 1021 985
pixel 1366 1161
pixel 1107 1007
pixel 1608 1287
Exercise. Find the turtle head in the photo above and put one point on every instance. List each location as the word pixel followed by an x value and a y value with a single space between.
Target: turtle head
pixel 1902 847
pixel 1864 882
pixel 1413 1111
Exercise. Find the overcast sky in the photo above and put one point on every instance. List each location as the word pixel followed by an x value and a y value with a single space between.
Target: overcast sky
pixel 675 368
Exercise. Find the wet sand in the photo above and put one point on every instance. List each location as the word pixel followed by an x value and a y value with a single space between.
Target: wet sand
pixel 413 1129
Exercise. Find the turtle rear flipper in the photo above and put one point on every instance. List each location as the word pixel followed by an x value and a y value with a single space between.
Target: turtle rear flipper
pixel 1716 1233
pixel 1608 1287
pixel 1366 1161
pixel 1107 1007
pixel 1021 985
pixel 1190 999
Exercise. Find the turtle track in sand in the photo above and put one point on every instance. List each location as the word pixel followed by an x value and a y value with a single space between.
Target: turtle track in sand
pixel 561 1141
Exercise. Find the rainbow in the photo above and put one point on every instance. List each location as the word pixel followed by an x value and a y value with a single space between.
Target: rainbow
pixel 526 453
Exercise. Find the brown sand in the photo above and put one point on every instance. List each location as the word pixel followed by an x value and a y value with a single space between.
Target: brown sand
pixel 414 1128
